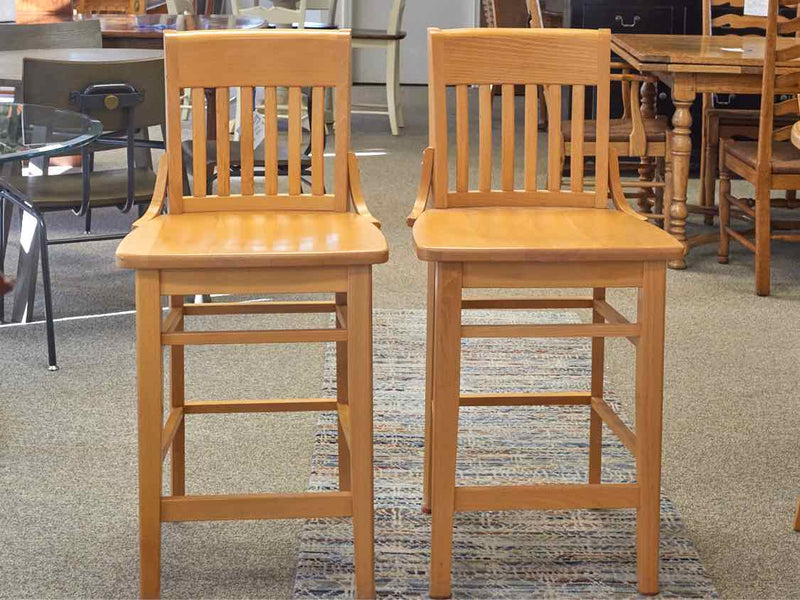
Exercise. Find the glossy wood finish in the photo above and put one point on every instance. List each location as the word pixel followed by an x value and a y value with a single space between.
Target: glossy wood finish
pixel 122 7
pixel 773 164
pixel 255 243
pixel 563 236
pixel 693 65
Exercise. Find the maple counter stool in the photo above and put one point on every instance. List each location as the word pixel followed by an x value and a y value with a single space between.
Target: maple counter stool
pixel 253 243
pixel 532 238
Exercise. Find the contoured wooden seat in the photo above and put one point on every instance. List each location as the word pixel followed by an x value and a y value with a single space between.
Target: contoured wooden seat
pixel 254 243
pixel 528 237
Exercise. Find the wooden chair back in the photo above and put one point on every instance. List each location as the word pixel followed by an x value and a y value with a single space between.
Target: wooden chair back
pixel 111 7
pixel 559 60
pixel 726 17
pixel 277 14
pixel 221 60
pixel 772 81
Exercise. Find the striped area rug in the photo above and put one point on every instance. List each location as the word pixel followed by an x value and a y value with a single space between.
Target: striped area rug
pixel 587 553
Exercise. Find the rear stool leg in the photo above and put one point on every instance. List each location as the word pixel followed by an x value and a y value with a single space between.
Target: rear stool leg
pixel 391 85
pixel 341 395
pixel 177 391
pixel 595 422
pixel 649 396
pixel 723 251
pixel 48 298
pixel 429 373
pixel 359 388
pixel 445 399
pixel 149 383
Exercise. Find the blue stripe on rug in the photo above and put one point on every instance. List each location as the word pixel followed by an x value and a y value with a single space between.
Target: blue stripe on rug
pixel 588 553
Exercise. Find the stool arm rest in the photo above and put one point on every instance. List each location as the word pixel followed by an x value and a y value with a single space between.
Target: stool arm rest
pixel 424 189
pixel 159 195
pixel 615 185
pixel 356 193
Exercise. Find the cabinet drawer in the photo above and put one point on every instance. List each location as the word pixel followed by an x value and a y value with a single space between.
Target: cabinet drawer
pixel 629 19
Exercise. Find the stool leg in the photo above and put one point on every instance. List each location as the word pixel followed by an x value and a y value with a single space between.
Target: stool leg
pixel 341 395
pixel 446 390
pixel 649 396
pixel 177 391
pixel 149 382
pixel 595 422
pixel 797 516
pixel 359 387
pixel 426 484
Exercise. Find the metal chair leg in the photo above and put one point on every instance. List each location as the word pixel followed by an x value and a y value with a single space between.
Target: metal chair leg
pixel 48 299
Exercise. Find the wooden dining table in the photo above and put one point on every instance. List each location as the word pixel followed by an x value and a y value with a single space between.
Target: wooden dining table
pixel 692 65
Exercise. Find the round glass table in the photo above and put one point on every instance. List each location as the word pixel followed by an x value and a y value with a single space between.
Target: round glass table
pixel 28 131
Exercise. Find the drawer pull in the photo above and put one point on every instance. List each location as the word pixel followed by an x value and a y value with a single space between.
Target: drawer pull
pixel 619 19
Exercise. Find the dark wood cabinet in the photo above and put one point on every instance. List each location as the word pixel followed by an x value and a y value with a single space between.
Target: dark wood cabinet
pixel 644 16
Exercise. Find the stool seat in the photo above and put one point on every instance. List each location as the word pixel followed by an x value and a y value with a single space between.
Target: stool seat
pixel 252 239
pixel 539 234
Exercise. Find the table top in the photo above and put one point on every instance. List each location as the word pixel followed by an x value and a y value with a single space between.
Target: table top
pixel 29 130
pixel 156 25
pixel 697 53
pixel 11 61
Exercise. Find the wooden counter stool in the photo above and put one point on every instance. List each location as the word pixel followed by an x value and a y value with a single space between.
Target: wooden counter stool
pixel 531 238
pixel 252 243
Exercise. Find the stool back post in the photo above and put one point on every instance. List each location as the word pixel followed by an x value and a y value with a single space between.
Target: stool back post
pixel 285 58
pixel 527 57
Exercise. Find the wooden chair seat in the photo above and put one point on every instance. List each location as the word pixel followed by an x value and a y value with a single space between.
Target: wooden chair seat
pixel 785 157
pixel 376 34
pixel 108 188
pixel 620 130
pixel 539 234
pixel 252 239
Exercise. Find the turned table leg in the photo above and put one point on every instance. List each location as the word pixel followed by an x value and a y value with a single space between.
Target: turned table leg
pixel 647 164
pixel 682 97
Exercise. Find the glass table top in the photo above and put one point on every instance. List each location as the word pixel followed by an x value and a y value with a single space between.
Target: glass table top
pixel 30 130
pixel 155 24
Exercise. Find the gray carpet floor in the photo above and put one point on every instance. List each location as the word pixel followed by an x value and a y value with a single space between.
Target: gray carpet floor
pixel 67 439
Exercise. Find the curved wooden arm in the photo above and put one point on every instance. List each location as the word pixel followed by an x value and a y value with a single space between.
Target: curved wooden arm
pixel 424 189
pixel 615 185
pixel 159 195
pixel 356 192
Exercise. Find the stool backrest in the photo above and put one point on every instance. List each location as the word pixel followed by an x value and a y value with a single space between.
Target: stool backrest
pixel 221 60
pixel 277 14
pixel 727 17
pixel 51 82
pixel 69 34
pixel 554 58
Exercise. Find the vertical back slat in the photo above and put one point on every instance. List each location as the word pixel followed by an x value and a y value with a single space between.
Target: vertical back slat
pixel 223 143
pixel 246 140
pixel 318 141
pixel 295 139
pixel 577 137
pixel 531 136
pixel 485 138
pixel 270 141
pixel 602 117
pixel 199 142
pixel 507 179
pixel 554 138
pixel 462 138
pixel 174 149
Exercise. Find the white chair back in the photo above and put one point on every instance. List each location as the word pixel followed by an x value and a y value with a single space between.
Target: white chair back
pixel 275 14
pixel 396 17
pixel 180 7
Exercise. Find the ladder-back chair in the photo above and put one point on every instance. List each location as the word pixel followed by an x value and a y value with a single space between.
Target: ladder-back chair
pixel 726 17
pixel 252 243
pixel 638 133
pixel 521 236
pixel 772 162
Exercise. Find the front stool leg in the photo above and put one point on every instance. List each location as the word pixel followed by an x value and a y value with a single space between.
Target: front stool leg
pixel 445 401
pixel 359 388
pixel 649 397
pixel 341 396
pixel 149 382
pixel 429 373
